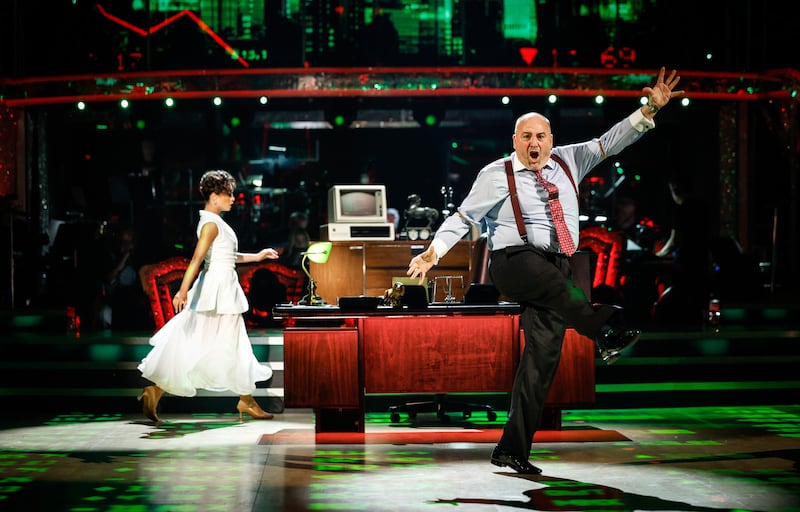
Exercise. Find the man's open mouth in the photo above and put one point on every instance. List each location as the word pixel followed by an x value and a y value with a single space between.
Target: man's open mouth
pixel 534 154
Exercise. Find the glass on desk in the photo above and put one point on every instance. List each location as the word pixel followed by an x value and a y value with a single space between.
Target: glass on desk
pixel 448 289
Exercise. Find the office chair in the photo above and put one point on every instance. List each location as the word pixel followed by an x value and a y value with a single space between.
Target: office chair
pixel 441 406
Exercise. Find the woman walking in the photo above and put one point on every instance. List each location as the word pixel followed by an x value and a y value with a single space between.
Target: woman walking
pixel 205 345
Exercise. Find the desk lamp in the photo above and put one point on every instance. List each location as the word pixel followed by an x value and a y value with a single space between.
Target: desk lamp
pixel 318 252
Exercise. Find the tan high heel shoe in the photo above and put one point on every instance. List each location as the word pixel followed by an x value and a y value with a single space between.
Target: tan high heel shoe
pixel 247 404
pixel 149 398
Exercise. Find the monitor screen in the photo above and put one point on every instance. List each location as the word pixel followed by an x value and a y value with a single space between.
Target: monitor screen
pixel 357 204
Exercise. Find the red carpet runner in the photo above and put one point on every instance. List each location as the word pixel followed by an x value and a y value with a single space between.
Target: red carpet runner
pixel 307 436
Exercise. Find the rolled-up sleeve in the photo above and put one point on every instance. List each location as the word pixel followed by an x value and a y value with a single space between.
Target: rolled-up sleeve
pixel 639 122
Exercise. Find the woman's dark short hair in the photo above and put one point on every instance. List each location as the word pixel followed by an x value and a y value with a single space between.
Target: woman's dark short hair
pixel 217 181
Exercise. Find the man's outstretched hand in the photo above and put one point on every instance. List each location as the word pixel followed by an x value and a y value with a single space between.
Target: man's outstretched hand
pixel 422 263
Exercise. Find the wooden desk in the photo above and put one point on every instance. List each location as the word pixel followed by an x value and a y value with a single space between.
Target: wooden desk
pixel 446 349
pixel 362 267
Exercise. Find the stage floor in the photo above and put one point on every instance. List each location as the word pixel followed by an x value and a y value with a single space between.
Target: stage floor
pixel 677 459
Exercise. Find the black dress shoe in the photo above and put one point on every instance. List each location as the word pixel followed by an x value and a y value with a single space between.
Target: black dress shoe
pixel 501 458
pixel 613 341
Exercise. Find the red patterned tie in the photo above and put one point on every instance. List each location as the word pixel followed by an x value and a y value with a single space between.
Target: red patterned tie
pixel 564 238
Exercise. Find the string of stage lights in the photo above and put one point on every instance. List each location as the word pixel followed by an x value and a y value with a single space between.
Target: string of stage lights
pixel 410 82
pixel 368 82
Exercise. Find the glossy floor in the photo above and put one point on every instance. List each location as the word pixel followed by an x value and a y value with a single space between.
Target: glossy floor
pixel 678 459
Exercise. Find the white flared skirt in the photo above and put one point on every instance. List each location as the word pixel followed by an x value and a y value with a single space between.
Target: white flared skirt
pixel 203 350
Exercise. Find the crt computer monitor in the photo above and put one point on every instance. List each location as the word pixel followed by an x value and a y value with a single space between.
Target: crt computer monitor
pixel 356 204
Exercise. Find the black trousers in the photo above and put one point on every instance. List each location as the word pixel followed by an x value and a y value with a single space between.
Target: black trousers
pixel 542 284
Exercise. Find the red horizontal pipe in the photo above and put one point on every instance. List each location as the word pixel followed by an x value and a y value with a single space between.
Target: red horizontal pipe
pixel 361 82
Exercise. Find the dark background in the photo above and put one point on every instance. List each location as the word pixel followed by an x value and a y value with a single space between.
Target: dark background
pixel 74 36
pixel 141 165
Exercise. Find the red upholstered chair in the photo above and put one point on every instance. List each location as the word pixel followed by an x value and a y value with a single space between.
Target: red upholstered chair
pixel 609 247
pixel 159 282
pixel 277 283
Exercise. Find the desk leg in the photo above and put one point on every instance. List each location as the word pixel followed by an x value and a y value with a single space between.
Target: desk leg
pixel 339 420
pixel 322 371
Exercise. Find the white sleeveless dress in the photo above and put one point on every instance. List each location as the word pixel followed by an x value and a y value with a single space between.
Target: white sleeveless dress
pixel 206 346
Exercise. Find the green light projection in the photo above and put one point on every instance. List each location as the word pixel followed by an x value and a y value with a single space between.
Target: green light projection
pixel 520 20
pixel 211 478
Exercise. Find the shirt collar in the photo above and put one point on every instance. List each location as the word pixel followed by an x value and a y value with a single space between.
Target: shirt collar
pixel 518 166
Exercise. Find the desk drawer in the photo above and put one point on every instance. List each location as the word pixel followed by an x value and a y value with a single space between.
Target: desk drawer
pixel 321 367
pixel 440 354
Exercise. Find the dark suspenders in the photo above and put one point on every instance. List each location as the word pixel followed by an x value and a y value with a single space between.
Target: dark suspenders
pixel 512 190
pixel 560 161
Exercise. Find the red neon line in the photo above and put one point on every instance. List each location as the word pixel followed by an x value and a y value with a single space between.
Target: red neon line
pixel 120 21
pixel 155 28
pixel 777 76
pixel 216 38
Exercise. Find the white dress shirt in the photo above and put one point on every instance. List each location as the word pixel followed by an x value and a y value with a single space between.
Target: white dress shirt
pixel 489 200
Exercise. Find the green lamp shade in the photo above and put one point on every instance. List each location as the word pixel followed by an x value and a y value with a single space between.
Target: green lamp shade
pixel 318 252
